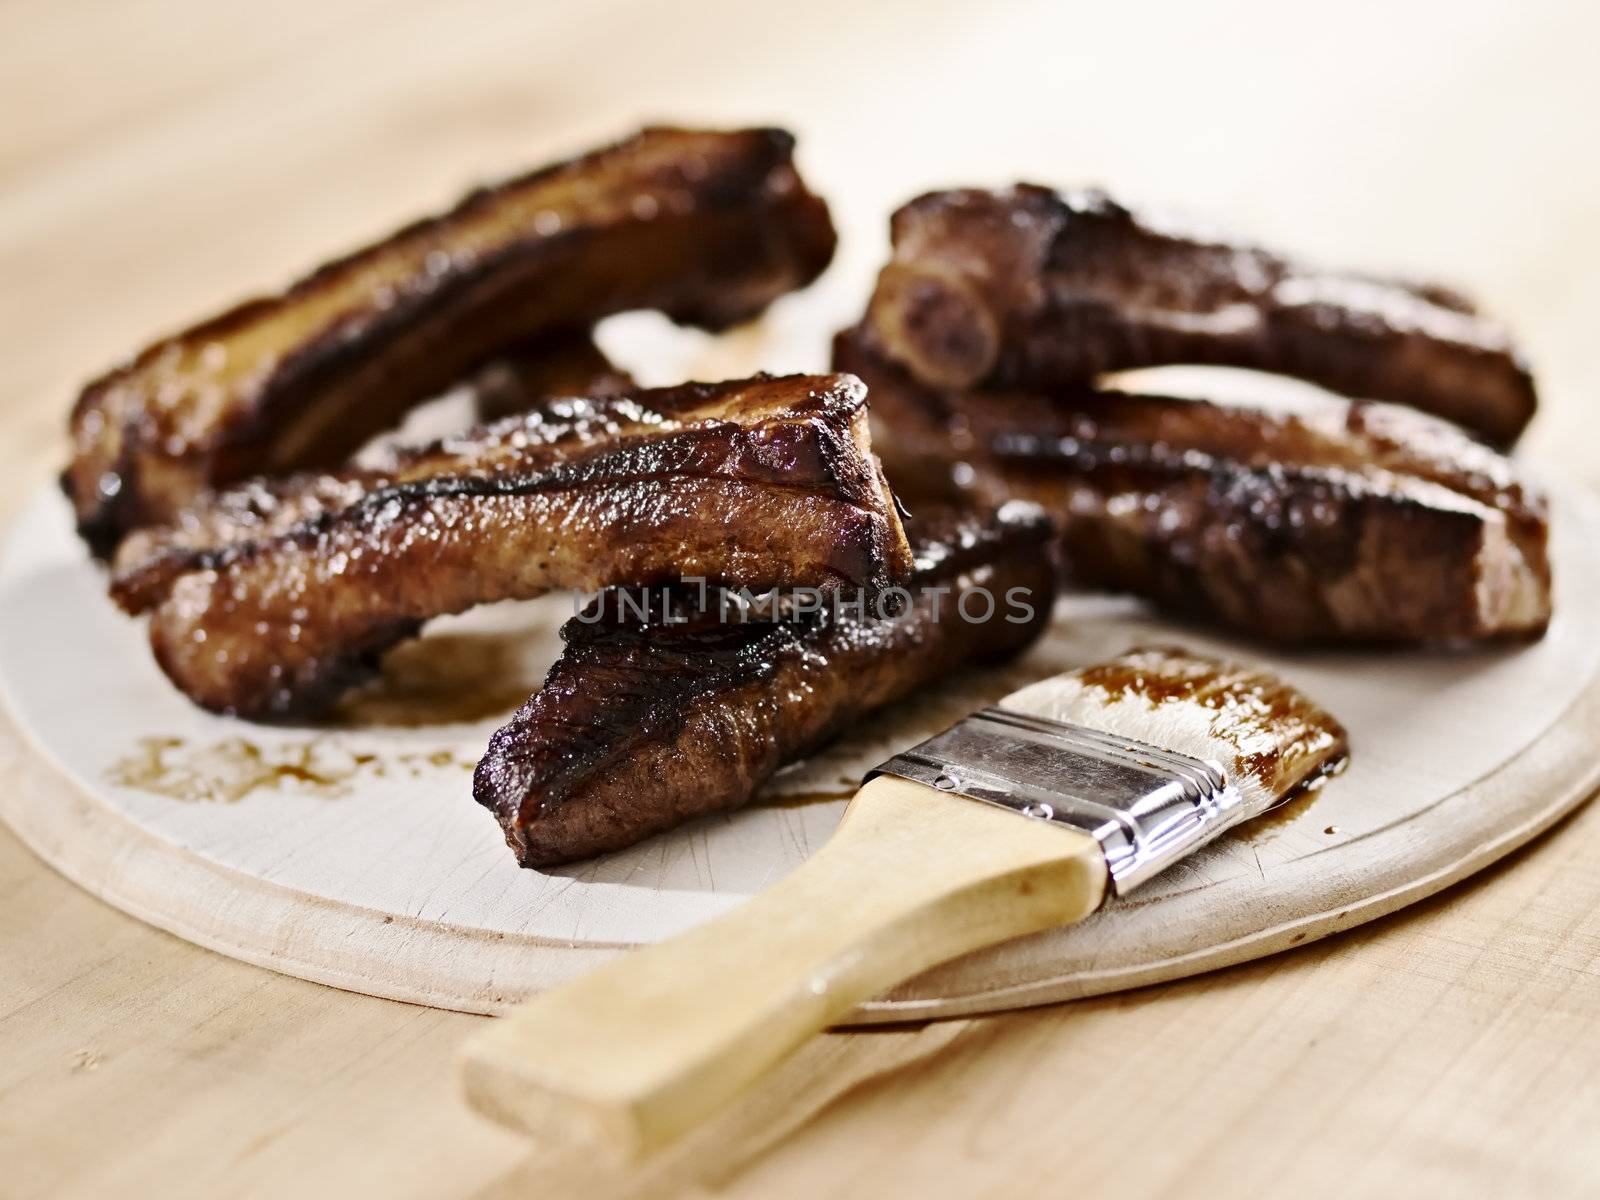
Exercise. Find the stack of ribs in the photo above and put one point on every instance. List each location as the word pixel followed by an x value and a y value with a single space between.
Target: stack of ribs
pixel 1390 516
pixel 229 477
pixel 708 228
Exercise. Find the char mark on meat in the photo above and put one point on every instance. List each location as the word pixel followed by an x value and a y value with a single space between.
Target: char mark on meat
pixel 643 725
pixel 1312 520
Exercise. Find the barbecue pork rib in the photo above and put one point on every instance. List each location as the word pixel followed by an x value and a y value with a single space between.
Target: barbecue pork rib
pixel 643 725
pixel 1316 520
pixel 1035 288
pixel 758 483
pixel 707 227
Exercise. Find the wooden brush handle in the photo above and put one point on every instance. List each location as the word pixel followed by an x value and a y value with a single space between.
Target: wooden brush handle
pixel 642 1048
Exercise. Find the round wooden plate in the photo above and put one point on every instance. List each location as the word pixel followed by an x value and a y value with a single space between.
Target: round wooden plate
pixel 352 853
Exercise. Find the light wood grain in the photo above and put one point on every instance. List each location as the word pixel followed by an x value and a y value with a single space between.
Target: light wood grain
pixel 159 155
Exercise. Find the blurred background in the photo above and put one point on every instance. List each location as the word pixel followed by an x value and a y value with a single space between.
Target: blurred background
pixel 160 157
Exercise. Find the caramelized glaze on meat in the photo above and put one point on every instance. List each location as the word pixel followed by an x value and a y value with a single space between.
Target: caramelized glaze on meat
pixel 643 725
pixel 1034 288
pixel 1323 521
pixel 706 227
pixel 759 483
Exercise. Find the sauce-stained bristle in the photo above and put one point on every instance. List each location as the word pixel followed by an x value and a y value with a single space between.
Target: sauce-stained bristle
pixel 1266 736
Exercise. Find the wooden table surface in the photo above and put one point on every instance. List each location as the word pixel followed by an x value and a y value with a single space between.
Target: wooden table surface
pixel 161 156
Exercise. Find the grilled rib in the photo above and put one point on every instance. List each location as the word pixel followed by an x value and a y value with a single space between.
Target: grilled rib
pixel 643 725
pixel 1033 288
pixel 760 483
pixel 1316 520
pixel 706 227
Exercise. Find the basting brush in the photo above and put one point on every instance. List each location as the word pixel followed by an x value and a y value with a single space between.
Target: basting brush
pixel 1020 817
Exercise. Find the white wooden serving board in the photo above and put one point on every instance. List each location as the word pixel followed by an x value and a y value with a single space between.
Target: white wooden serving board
pixel 353 854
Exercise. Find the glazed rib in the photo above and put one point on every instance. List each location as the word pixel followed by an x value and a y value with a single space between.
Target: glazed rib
pixel 643 725
pixel 1033 288
pixel 706 227
pixel 760 483
pixel 1322 521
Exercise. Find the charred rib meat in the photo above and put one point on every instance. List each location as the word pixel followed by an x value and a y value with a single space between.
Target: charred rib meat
pixel 706 227
pixel 1326 521
pixel 1032 288
pixel 760 483
pixel 642 726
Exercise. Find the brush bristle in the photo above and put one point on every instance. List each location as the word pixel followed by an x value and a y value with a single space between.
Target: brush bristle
pixel 1267 737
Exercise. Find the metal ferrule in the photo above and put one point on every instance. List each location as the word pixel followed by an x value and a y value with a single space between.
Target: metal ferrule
pixel 1147 807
